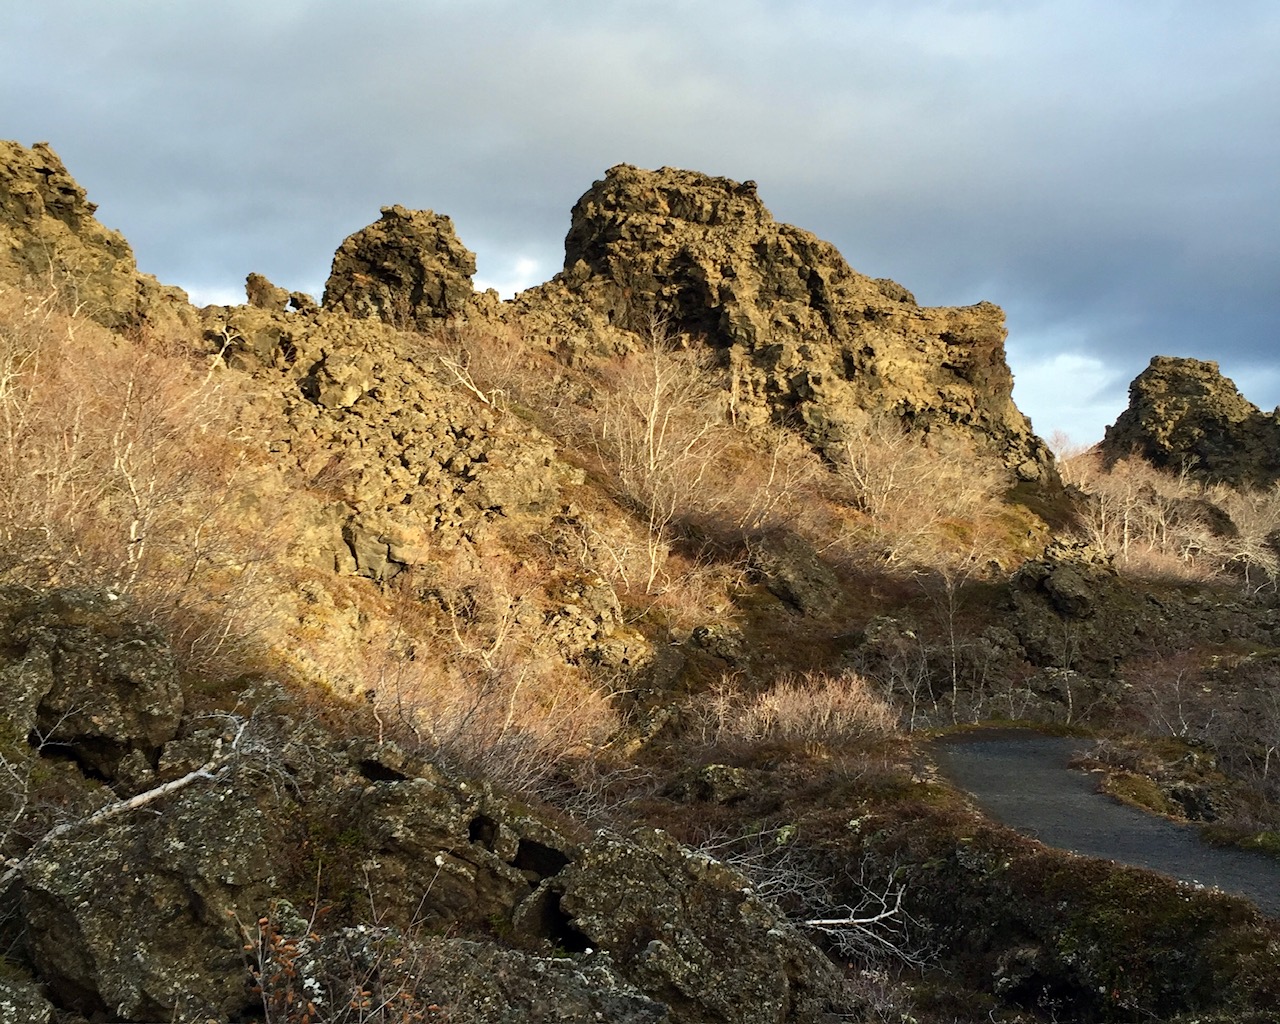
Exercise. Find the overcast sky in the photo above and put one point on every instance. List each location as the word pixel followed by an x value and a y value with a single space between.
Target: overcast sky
pixel 1107 172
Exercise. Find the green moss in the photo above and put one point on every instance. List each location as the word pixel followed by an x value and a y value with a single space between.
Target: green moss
pixel 1219 834
pixel 1141 792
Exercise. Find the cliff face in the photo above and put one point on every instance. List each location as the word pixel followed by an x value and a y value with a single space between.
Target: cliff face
pixel 804 336
pixel 51 243
pixel 1184 413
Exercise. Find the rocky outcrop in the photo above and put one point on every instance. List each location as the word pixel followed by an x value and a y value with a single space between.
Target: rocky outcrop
pixel 53 247
pixel 412 468
pixel 407 269
pixel 81 677
pixel 801 335
pixel 376 416
pixel 690 932
pixel 262 294
pixel 1183 413
pixel 164 899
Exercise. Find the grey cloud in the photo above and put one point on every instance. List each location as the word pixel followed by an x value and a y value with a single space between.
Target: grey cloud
pixel 1106 167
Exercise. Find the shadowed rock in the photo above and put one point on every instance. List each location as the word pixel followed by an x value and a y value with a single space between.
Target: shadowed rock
pixel 1183 413
pixel 408 270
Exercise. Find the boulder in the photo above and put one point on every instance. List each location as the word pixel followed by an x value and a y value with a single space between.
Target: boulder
pixel 407 269
pixel 794 572
pixel 142 916
pixel 689 932
pixel 429 977
pixel 89 681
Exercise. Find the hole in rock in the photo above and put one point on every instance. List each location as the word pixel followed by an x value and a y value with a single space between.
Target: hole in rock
pixel 541 860
pixel 376 771
pixel 484 831
pixel 557 927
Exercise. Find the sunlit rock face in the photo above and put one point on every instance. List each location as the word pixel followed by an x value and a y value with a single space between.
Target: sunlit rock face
pixel 407 269
pixel 806 338
pixel 55 250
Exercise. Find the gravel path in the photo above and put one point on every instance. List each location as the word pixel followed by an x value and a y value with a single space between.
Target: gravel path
pixel 1021 778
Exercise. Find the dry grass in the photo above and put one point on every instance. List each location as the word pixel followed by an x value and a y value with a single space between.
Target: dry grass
pixel 918 502
pixel 1164 525
pixel 812 707
pixel 463 667
pixel 122 466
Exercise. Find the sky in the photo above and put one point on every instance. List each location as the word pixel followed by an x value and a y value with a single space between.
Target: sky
pixel 1108 173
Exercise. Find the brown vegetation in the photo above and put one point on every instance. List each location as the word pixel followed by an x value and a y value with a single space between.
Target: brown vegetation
pixel 1157 523
pixel 123 465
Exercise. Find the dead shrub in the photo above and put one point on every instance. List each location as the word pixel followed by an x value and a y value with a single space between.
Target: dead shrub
pixel 919 500
pixel 811 707
pixel 489 361
pixel 1161 524
pixel 466 673
pixel 122 466
pixel 660 433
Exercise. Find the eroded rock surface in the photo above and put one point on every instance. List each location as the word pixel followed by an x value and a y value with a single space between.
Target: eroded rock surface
pixel 802 334
pixel 53 247
pixel 81 676
pixel 688 930
pixel 407 269
pixel 1183 413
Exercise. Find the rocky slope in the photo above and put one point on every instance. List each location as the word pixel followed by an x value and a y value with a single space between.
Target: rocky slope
pixel 145 916
pixel 198 839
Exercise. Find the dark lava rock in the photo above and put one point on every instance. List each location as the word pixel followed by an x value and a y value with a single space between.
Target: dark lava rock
pixel 408 270
pixel 1184 414
pixel 262 294
pixel 86 679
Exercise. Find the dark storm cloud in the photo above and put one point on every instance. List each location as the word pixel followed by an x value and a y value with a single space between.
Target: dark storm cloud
pixel 1106 172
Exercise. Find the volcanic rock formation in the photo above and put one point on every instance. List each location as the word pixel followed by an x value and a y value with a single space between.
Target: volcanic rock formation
pixel 1184 413
pixel 805 337
pixel 50 240
pixel 408 269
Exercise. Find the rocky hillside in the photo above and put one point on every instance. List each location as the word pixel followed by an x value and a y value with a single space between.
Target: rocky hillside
pixel 415 656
